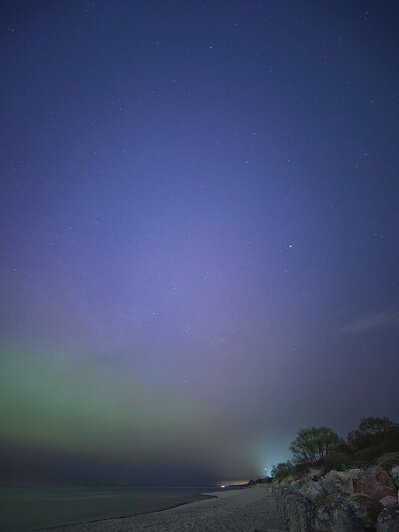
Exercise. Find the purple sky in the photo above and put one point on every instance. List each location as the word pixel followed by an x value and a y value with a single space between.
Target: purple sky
pixel 199 233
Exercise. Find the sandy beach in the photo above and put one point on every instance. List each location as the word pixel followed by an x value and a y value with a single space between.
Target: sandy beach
pixel 247 510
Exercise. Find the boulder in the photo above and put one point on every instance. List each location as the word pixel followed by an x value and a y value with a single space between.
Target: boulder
pixel 389 500
pixel 338 482
pixel 298 511
pixel 388 520
pixel 354 473
pixel 366 509
pixel 313 491
pixel 280 492
pixel 315 473
pixel 287 481
pixel 335 514
pixel 394 473
pixel 374 482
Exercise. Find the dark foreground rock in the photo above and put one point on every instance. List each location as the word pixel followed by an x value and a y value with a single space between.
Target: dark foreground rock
pixel 394 472
pixel 335 514
pixel 375 482
pixel 342 501
pixel 298 512
pixel 366 509
pixel 313 491
pixel 388 520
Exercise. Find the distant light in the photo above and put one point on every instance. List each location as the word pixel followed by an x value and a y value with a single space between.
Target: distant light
pixel 222 486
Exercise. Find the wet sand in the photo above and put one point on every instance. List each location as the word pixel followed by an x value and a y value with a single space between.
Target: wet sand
pixel 246 510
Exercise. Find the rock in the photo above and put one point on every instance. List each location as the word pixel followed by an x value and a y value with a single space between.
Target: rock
pixel 375 482
pixel 335 514
pixel 280 492
pixel 315 478
pixel 341 501
pixel 366 509
pixel 338 482
pixel 315 473
pixel 394 473
pixel 287 481
pixel 388 520
pixel 298 511
pixel 389 500
pixel 313 491
pixel 354 473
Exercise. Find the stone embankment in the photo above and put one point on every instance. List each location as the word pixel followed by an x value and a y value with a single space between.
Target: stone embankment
pixel 341 501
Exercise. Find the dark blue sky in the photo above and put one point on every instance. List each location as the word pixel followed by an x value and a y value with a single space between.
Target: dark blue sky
pixel 199 230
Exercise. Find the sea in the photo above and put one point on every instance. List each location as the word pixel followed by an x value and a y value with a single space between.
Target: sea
pixel 25 509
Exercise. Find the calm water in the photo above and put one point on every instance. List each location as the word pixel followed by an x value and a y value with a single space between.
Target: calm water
pixel 23 509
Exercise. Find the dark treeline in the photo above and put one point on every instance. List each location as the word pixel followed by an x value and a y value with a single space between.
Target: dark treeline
pixel 323 447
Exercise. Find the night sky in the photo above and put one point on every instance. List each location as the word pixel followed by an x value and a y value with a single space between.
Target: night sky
pixel 199 233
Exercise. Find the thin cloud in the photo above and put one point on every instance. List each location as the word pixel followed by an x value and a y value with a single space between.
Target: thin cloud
pixel 379 320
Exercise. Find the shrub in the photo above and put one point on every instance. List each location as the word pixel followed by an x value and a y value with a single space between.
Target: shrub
pixel 282 470
pixel 388 460
pixel 375 432
pixel 312 445
pixel 337 460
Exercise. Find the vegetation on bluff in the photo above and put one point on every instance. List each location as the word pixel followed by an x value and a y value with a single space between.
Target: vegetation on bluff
pixel 322 447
